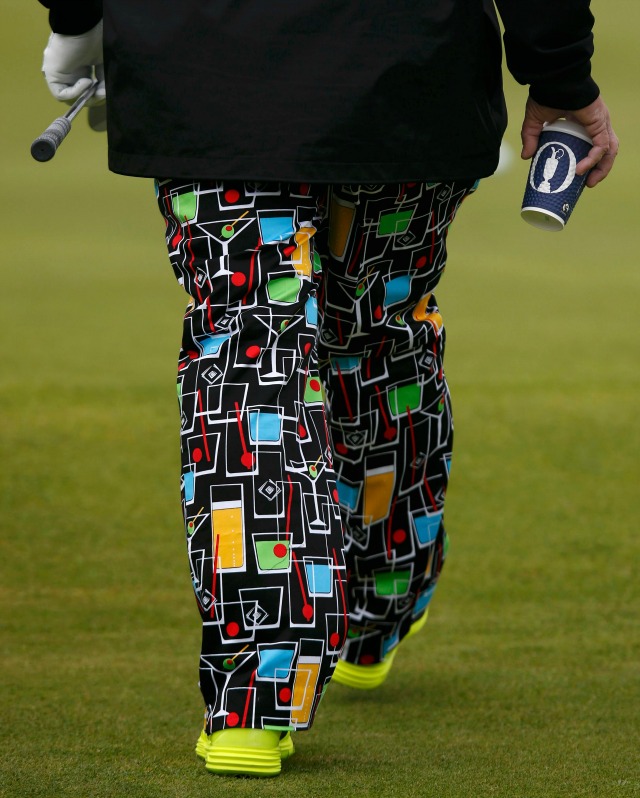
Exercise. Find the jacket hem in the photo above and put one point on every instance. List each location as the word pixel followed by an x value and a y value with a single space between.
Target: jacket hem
pixel 207 168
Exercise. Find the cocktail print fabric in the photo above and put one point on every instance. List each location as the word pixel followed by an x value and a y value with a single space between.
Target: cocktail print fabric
pixel 316 429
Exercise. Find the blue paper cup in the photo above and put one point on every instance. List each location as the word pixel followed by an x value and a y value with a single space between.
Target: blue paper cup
pixel 553 188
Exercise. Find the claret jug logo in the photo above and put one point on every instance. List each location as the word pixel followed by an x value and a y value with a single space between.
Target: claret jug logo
pixel 553 168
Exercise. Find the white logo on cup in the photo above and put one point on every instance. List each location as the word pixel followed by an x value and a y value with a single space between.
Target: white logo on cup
pixel 553 158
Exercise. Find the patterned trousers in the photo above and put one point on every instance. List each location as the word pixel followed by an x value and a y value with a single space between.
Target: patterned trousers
pixel 316 429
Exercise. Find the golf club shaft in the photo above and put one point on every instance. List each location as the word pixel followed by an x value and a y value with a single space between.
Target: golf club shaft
pixel 45 146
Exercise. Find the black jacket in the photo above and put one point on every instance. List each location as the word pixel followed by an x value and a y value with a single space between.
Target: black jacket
pixel 326 90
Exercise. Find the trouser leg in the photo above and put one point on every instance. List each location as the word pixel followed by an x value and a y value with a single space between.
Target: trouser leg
pixel 258 488
pixel 381 353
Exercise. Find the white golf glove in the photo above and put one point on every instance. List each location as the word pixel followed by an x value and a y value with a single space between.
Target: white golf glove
pixel 72 63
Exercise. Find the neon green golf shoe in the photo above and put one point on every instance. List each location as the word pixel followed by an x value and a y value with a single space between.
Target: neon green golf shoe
pixel 368 677
pixel 244 752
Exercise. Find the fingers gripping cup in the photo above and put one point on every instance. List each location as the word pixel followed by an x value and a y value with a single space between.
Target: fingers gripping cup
pixel 553 187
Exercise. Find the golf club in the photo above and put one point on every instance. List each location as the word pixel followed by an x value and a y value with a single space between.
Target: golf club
pixel 45 146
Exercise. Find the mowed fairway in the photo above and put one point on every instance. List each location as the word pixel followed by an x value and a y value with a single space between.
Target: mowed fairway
pixel 525 683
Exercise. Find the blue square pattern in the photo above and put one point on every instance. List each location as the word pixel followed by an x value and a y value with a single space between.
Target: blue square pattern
pixel 211 345
pixel 397 289
pixel 264 426
pixel 276 228
pixel 311 310
pixel 189 481
pixel 274 663
pixel 318 578
pixel 345 363
pixel 347 494
pixel 427 526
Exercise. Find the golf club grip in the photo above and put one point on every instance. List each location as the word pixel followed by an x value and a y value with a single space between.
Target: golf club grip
pixel 45 146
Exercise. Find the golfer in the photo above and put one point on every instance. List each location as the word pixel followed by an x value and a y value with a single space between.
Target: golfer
pixel 309 158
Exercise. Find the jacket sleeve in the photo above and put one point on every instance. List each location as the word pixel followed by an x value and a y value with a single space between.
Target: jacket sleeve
pixel 73 17
pixel 549 45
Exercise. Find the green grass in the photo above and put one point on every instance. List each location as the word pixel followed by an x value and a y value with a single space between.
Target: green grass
pixel 524 684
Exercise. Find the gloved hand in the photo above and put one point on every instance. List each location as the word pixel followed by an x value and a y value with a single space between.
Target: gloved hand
pixel 72 63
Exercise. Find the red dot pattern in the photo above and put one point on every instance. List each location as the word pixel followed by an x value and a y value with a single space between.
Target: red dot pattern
pixel 285 695
pixel 399 536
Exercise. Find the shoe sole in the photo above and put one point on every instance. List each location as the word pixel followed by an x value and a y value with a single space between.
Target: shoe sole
pixel 285 747
pixel 244 762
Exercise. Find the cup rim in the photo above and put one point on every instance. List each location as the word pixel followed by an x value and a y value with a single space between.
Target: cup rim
pixel 571 128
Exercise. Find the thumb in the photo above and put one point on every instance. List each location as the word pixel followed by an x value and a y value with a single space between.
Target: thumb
pixel 530 134
pixel 535 117
pixel 66 93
